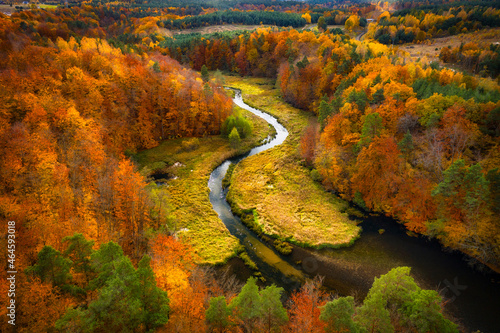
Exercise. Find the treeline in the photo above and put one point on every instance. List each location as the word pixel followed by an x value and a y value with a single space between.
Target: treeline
pixel 216 4
pixel 406 140
pixel 340 3
pixel 394 303
pixel 93 289
pixel 416 25
pixel 237 17
pixel 101 22
pixel 216 50
pixel 131 29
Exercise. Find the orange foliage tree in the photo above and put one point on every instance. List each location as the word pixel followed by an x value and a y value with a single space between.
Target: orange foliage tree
pixel 303 308
pixel 378 172
pixel 172 262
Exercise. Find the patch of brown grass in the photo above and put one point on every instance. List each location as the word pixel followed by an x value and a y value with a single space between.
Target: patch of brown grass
pixel 7 9
pixel 218 28
pixel 432 48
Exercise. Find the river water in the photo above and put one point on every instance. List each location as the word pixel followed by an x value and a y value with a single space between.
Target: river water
pixel 472 294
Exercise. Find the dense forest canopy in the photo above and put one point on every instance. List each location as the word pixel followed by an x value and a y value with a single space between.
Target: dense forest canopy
pixel 237 17
pixel 85 87
pixel 219 4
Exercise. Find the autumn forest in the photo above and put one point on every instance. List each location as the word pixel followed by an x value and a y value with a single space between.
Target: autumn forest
pixel 113 116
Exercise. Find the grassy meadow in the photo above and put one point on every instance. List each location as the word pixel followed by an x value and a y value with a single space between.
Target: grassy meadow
pixel 188 211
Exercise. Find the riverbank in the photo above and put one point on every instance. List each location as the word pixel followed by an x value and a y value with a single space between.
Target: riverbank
pixel 277 190
pixel 186 164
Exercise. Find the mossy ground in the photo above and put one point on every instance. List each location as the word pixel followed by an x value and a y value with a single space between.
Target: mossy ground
pixel 190 213
pixel 289 204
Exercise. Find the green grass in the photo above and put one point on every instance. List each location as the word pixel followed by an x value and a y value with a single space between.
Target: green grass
pixel 227 178
pixel 191 215
pixel 48 6
pixel 289 204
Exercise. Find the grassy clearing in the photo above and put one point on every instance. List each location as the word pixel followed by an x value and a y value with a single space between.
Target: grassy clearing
pixel 190 213
pixel 235 27
pixel 47 6
pixel 431 49
pixel 288 204
pixel 7 9
pixel 218 28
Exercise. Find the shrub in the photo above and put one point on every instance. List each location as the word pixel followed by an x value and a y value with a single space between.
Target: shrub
pixel 315 175
pixel 282 247
pixel 234 138
pixel 190 144
pixel 243 126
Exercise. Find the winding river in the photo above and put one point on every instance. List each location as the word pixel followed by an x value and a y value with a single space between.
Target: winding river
pixel 269 261
pixel 472 294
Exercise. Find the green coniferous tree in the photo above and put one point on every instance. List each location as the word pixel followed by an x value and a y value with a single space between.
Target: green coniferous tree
pixel 325 109
pixel 372 127
pixel 423 313
pixel 128 298
pixel 218 314
pixel 322 23
pixel 79 251
pixel 406 145
pixel 396 295
pixel 154 301
pixel 273 314
pixel 234 138
pixel 51 266
pixel 246 306
pixel 205 76
pixel 338 315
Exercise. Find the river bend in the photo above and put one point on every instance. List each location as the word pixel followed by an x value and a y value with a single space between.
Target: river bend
pixel 472 295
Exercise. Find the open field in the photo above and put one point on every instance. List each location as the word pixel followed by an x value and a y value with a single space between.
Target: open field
pixel 217 28
pixel 47 6
pixel 8 10
pixel 311 26
pixel 288 204
pixel 190 214
pixel 234 27
pixel 432 49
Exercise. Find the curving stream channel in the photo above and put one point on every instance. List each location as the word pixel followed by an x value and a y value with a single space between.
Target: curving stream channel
pixel 270 262
pixel 472 294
